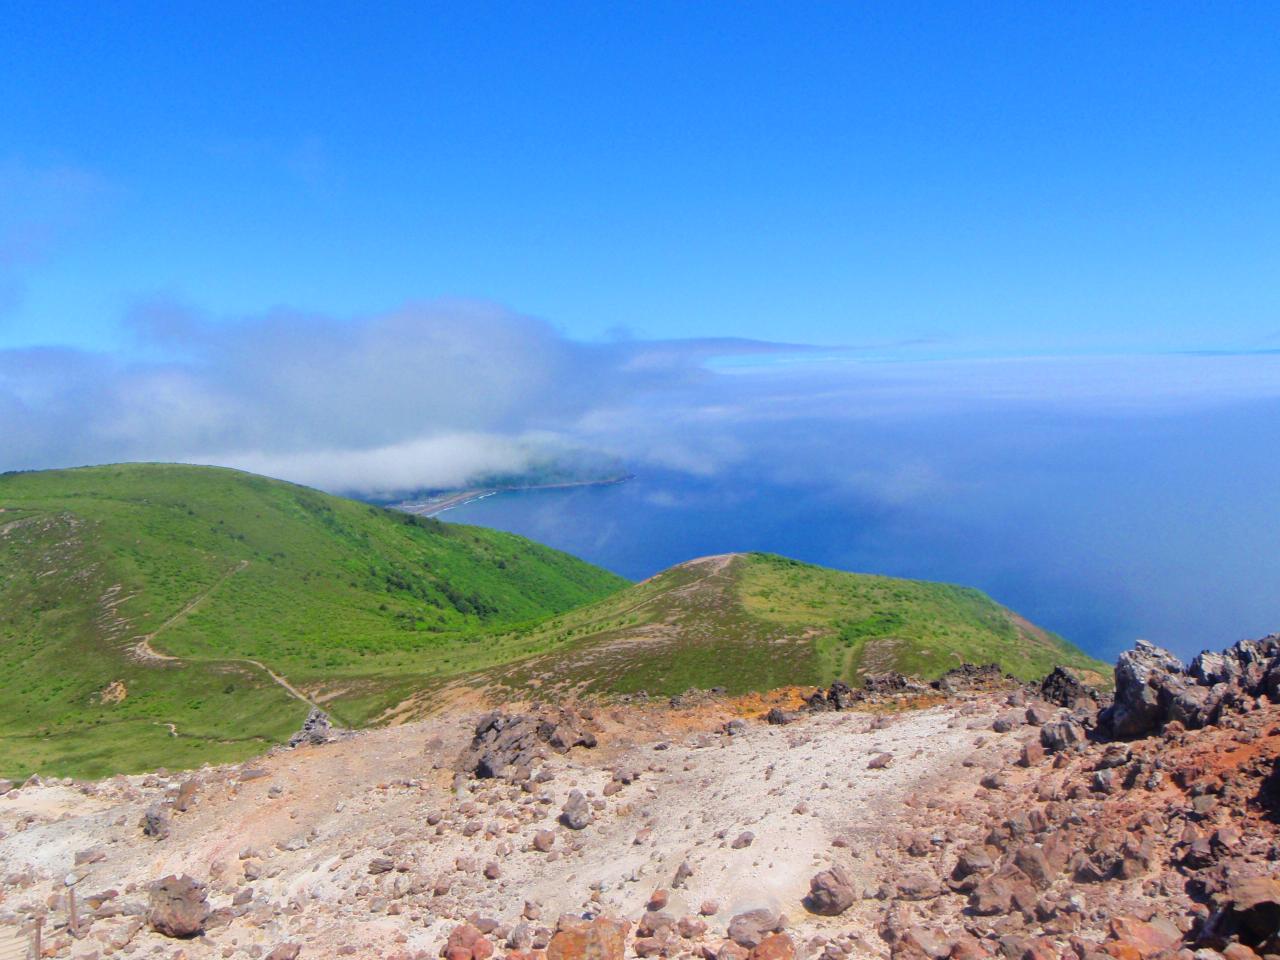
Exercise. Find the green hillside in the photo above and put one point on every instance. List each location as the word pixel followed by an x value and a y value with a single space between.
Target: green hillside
pixel 756 621
pixel 162 615
pixel 109 573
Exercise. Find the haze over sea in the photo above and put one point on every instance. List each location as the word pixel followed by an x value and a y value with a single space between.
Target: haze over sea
pixel 1101 527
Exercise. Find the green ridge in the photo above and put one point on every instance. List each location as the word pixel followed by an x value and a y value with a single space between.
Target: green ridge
pixel 755 621
pixel 354 604
pixel 161 615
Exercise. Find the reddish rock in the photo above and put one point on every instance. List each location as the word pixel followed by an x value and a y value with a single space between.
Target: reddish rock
pixel 1032 754
pixel 920 943
pixel 999 895
pixel 691 928
pixel 186 795
pixel 968 947
pixel 1131 938
pixel 776 946
pixel 599 939
pixel 1252 904
pixel 467 942
pixel 654 922
pixel 178 907
pixel 648 947
pixel 1030 859
pixel 831 892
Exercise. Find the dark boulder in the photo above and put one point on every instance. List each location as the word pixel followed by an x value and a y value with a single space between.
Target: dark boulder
pixel 1141 674
pixel 505 744
pixel 885 683
pixel 155 822
pixel 315 730
pixel 1063 688
pixel 1061 735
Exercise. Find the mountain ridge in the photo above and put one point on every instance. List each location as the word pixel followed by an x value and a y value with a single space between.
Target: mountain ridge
pixel 146 610
pixel 755 621
pixel 169 615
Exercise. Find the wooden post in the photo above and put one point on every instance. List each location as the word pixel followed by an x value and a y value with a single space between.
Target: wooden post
pixel 37 937
pixel 73 921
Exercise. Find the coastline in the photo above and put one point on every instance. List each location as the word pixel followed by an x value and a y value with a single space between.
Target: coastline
pixel 435 506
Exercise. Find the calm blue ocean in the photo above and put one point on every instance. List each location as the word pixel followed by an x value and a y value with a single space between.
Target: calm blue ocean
pixel 1170 534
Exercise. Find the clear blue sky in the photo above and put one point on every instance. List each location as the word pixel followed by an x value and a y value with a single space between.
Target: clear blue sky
pixel 995 178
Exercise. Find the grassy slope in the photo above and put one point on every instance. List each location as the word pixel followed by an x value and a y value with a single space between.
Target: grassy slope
pixel 755 621
pixel 360 607
pixel 872 624
pixel 353 604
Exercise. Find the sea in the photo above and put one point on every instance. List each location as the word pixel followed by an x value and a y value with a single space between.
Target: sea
pixel 1099 563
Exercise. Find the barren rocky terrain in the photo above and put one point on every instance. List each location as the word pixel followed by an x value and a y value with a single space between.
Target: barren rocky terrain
pixel 979 817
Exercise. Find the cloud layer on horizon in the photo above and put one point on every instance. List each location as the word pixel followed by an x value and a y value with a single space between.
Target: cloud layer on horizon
pixel 433 394
pixel 425 396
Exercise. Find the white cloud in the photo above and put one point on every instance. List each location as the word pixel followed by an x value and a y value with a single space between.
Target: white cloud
pixel 445 460
pixel 435 393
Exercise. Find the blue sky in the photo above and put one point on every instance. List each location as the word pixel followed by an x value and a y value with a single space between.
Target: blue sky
pixel 927 179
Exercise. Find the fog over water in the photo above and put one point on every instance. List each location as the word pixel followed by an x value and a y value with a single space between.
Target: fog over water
pixel 1102 528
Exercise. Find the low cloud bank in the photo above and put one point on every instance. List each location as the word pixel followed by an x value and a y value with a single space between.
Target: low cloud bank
pixel 435 394
pixel 426 396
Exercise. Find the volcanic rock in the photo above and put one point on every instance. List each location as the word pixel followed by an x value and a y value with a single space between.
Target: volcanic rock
pixel 179 906
pixel 831 892
pixel 749 928
pixel 315 730
pixel 505 743
pixel 577 812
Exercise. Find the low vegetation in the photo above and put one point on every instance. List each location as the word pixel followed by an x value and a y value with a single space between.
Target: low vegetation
pixel 164 615
pixel 757 621
pixel 105 570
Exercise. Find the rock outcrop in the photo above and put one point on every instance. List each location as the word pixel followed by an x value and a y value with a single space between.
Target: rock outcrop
pixel 508 745
pixel 315 730
pixel 1154 689
pixel 178 907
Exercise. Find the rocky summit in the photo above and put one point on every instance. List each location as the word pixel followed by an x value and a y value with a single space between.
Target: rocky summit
pixel 973 816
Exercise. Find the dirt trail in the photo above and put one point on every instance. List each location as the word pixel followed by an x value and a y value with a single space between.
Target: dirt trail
pixel 142 648
pixel 284 684
pixel 716 565
pixel 144 651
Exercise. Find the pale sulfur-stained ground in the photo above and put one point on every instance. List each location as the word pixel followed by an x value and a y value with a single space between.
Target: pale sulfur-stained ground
pixel 313 823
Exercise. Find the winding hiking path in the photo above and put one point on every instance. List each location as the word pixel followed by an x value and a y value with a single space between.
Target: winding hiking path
pixel 144 651
pixel 142 648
